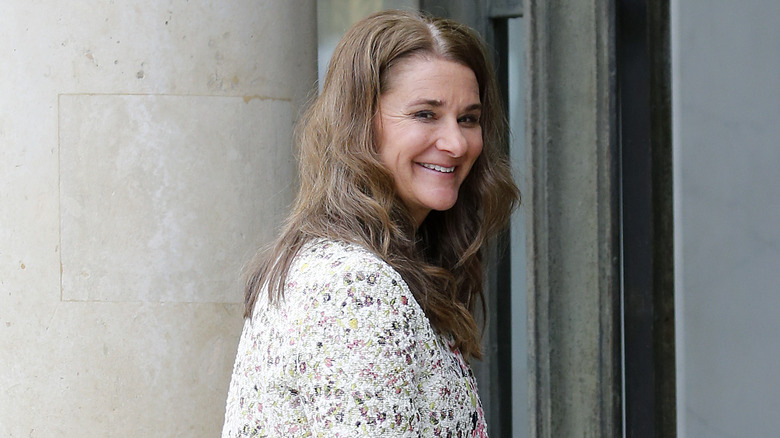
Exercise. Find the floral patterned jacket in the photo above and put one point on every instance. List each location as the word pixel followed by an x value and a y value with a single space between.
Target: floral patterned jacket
pixel 348 352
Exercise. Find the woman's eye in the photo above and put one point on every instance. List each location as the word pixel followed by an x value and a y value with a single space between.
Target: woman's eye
pixel 470 119
pixel 424 115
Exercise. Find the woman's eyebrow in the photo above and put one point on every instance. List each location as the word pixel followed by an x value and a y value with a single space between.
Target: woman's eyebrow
pixel 437 103
pixel 429 102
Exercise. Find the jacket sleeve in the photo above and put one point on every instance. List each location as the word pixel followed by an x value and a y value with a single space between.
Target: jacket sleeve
pixel 359 357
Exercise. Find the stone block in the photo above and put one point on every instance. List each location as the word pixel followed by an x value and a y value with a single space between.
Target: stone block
pixel 163 198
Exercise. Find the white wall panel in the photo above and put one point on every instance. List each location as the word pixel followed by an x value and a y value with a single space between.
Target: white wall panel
pixel 163 198
pixel 144 154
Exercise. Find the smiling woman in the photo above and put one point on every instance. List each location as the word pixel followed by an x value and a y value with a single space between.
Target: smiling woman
pixel 360 318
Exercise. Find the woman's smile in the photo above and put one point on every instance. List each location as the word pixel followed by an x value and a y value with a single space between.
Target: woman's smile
pixel 438 168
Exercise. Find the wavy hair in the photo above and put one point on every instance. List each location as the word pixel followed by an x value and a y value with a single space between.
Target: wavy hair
pixel 347 194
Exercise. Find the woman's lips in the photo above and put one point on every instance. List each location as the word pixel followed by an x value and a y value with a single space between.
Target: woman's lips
pixel 438 168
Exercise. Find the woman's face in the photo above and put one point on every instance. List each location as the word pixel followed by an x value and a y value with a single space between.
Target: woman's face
pixel 428 131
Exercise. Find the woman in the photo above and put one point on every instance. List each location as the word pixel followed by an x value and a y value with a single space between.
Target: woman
pixel 360 318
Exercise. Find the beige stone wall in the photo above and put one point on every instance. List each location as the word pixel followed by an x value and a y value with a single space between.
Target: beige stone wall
pixel 144 154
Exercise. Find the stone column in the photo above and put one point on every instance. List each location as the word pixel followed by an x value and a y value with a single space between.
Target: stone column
pixel 145 153
pixel 572 202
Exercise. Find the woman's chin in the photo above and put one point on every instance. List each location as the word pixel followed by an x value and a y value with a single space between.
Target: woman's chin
pixel 443 205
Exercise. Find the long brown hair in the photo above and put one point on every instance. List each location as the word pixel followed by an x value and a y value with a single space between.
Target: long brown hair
pixel 347 194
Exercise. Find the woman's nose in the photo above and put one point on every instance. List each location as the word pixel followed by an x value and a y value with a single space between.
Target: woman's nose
pixel 451 140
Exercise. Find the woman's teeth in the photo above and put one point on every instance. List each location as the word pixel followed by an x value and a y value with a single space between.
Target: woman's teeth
pixel 438 168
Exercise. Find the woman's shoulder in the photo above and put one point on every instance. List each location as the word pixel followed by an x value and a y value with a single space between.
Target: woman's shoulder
pixel 330 249
pixel 323 259
pixel 336 276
